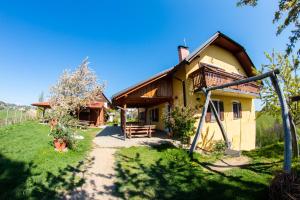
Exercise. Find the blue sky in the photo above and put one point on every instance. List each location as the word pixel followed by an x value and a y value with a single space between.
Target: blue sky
pixel 126 41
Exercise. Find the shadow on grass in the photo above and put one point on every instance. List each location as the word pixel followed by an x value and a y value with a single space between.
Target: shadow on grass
pixel 19 180
pixel 175 176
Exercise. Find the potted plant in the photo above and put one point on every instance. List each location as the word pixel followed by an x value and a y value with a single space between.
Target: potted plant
pixel 61 137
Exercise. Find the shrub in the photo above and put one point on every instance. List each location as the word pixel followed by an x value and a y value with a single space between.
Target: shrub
pixel 219 146
pixel 206 142
pixel 181 122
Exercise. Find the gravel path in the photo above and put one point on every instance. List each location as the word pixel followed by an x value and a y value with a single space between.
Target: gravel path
pixel 99 174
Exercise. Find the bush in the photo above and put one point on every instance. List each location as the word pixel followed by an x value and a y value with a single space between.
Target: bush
pixel 219 146
pixel 181 122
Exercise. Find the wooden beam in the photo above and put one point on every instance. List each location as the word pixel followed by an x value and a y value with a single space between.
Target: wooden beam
pixel 286 125
pixel 201 122
pixel 224 134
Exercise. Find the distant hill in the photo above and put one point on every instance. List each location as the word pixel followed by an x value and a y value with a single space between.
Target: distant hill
pixel 4 105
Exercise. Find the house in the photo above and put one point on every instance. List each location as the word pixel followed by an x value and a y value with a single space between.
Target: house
pixel 94 113
pixel 219 60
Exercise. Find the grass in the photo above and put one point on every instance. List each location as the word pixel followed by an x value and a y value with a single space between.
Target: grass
pixel 165 172
pixel 29 166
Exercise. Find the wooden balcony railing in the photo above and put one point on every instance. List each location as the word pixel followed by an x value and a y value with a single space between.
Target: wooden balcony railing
pixel 208 76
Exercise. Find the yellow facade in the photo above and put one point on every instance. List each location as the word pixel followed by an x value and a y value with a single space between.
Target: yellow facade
pixel 241 132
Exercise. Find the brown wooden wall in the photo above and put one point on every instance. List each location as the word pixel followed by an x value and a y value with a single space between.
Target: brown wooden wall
pixel 160 88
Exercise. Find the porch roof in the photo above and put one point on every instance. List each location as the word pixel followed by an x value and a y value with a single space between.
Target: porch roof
pixel 93 105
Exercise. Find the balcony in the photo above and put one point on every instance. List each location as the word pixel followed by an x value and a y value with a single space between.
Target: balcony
pixel 207 76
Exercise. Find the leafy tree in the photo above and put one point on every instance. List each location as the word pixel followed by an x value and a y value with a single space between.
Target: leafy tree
pixel 286 15
pixel 181 121
pixel 74 91
pixel 290 81
pixel 41 97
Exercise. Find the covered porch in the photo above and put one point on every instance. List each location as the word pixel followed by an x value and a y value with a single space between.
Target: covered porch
pixel 151 98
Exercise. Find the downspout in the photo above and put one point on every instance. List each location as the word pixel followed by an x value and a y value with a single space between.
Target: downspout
pixel 183 90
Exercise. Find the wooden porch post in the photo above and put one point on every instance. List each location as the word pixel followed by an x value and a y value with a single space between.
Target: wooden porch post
pixel 201 122
pixel 123 120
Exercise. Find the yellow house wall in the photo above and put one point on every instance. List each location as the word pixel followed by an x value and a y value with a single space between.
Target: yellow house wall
pixel 241 132
pixel 218 57
pixel 162 110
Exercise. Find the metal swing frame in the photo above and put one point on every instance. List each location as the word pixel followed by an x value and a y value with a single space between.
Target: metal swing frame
pixel 284 114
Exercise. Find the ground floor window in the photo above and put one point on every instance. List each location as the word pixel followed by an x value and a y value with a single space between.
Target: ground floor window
pixel 237 110
pixel 219 105
pixel 154 115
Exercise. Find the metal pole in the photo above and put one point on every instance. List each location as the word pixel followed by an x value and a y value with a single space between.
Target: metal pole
pixel 201 122
pixel 286 125
pixel 224 134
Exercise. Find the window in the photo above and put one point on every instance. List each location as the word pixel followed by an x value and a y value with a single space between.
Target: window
pixel 237 110
pixel 154 114
pixel 219 105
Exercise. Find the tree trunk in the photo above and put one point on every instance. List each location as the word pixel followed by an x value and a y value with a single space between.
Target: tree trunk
pixel 294 137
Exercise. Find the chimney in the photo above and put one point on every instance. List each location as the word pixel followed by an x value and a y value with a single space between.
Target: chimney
pixel 183 52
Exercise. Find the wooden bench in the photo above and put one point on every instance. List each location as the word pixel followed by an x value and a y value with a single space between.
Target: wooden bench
pixel 140 130
pixel 83 124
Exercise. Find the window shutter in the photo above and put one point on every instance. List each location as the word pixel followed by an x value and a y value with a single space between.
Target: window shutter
pixel 208 115
pixel 221 110
pixel 240 110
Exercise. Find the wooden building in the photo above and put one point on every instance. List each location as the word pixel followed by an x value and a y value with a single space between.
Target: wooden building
pixel 94 113
pixel 219 60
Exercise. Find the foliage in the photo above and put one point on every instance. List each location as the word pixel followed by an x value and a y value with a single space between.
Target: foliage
pixel 270 132
pixel 181 122
pixel 290 81
pixel 31 169
pixel 166 172
pixel 287 15
pixel 206 142
pixel 41 97
pixel 219 146
pixel 74 91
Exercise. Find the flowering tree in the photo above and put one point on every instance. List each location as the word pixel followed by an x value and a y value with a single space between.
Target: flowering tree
pixel 74 91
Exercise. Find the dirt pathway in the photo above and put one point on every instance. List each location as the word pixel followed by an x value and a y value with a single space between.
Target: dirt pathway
pixel 99 174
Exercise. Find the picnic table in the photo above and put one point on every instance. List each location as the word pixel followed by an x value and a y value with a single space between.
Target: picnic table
pixel 147 130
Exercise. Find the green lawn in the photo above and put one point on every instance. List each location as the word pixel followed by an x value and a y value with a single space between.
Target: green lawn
pixel 166 172
pixel 29 166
